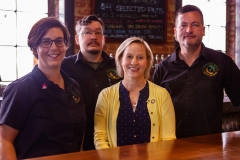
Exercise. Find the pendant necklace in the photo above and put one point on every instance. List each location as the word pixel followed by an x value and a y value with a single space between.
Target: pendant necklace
pixel 134 104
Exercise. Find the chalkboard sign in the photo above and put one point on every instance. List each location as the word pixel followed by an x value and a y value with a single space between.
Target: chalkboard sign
pixel 128 18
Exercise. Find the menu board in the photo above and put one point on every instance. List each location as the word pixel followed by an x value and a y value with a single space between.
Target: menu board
pixel 128 18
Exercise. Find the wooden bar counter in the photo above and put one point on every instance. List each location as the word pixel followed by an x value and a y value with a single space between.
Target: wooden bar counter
pixel 215 146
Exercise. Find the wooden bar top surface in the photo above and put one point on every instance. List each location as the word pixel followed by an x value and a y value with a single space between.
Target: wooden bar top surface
pixel 214 146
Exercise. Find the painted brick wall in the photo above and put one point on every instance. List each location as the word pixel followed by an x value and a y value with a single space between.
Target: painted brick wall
pixel 83 8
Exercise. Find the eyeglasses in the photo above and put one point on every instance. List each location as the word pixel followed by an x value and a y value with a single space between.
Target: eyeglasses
pixel 59 42
pixel 89 33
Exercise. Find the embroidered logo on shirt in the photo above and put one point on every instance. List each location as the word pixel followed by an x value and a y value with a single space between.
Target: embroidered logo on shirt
pixel 210 69
pixel 112 74
pixel 74 94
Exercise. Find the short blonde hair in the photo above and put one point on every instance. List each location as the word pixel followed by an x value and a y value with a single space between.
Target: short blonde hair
pixel 121 49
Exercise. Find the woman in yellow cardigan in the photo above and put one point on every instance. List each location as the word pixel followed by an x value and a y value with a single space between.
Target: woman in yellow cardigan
pixel 134 110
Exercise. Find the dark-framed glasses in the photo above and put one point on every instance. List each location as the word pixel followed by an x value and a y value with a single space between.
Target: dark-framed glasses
pixel 59 42
pixel 89 33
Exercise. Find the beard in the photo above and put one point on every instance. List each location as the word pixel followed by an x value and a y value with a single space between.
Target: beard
pixel 93 51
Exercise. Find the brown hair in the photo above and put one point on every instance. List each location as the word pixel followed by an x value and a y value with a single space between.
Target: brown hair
pixel 188 8
pixel 87 20
pixel 40 28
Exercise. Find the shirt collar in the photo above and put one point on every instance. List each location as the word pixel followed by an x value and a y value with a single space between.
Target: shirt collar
pixel 81 59
pixel 43 81
pixel 175 58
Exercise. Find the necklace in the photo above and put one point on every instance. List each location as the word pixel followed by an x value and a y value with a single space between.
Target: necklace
pixel 134 103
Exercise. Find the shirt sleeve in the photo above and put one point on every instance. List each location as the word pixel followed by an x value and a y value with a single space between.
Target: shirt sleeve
pixel 232 81
pixel 14 108
pixel 156 78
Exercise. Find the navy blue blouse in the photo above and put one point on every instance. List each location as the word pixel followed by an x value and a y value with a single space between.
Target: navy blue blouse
pixel 133 127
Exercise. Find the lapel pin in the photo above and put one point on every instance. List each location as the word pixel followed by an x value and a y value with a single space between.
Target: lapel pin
pixel 44 86
pixel 153 101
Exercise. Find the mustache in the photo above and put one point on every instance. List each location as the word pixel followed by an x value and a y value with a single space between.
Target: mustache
pixel 94 43
pixel 189 34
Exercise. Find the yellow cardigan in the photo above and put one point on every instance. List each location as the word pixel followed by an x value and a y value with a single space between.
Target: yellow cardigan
pixel 160 108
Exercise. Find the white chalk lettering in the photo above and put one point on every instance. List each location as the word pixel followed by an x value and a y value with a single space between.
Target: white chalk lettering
pixel 125 15
pixel 130 8
pixel 117 36
pixel 140 26
pixel 130 26
pixel 155 37
pixel 152 27
pixel 155 10
pixel 108 31
pixel 114 26
pixel 105 6
pixel 132 31
pixel 144 16
pixel 146 31
pixel 119 31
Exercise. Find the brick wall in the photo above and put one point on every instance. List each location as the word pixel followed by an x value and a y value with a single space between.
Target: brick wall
pixel 83 8
pixel 231 28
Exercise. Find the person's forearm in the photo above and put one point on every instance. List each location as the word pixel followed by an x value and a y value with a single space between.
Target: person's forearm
pixel 7 151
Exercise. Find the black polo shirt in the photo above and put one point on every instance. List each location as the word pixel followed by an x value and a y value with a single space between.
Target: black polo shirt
pixel 92 81
pixel 197 91
pixel 49 120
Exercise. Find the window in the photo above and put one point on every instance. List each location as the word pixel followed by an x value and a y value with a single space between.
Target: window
pixel 16 20
pixel 214 14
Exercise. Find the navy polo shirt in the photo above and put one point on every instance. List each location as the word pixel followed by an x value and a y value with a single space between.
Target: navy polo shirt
pixel 49 120
pixel 92 81
pixel 133 127
pixel 197 90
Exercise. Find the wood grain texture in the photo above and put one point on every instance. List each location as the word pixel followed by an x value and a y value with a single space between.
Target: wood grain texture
pixel 210 147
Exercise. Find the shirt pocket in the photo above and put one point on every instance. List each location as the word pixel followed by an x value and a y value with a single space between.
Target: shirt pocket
pixel 210 89
pixel 175 89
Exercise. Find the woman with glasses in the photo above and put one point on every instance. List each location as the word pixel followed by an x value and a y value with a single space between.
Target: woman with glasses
pixel 42 113
pixel 134 110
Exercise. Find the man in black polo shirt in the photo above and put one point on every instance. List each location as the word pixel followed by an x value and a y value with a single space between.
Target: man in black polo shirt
pixel 196 77
pixel 92 68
